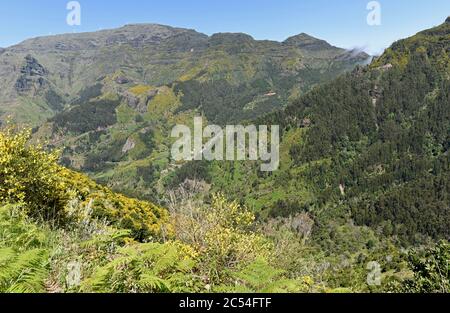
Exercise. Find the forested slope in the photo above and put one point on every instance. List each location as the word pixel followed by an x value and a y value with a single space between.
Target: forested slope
pixel 374 142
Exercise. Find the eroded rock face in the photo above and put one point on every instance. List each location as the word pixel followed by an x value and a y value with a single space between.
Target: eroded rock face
pixel 32 67
pixel 23 84
pixel 121 80
pixel 129 145
pixel 152 93
pixel 32 76
pixel 131 99
pixel 139 103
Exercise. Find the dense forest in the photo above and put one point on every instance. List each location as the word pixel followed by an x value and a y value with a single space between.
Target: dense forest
pixel 375 140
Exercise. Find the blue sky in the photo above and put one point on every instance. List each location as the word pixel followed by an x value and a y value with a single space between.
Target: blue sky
pixel 340 22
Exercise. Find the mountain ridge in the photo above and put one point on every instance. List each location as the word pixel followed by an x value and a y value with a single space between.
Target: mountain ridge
pixel 150 54
pixel 303 39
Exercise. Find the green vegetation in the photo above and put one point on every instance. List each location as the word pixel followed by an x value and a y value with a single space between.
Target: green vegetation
pixel 364 167
pixel 87 117
pixel 360 202
pixel 431 271
pixel 376 144
pixel 61 232
pixel 100 106
pixel 99 241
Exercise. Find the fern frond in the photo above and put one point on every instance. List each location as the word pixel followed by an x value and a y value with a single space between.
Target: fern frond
pixel 154 283
pixel 24 272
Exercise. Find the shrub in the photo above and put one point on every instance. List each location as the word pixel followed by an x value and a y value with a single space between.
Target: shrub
pixel 30 175
pixel 222 232
pixel 145 220
pixel 431 270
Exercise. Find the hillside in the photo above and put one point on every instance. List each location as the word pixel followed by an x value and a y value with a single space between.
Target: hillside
pixel 110 98
pixel 369 148
pixel 364 166
pixel 62 233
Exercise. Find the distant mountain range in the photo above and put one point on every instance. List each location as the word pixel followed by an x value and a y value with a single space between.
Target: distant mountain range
pixel 42 76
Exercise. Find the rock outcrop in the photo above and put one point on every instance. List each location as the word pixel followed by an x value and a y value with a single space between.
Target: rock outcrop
pixel 32 76
pixel 129 145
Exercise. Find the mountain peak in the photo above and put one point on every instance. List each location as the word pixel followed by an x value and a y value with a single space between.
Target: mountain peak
pixel 303 36
pixel 306 41
pixel 447 20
